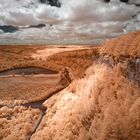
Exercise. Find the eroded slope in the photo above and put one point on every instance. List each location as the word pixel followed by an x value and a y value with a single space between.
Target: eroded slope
pixel 105 104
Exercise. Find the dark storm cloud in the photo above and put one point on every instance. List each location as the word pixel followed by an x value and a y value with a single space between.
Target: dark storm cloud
pixel 8 28
pixel 51 2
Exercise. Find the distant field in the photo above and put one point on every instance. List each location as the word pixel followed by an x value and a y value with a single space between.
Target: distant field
pixel 55 57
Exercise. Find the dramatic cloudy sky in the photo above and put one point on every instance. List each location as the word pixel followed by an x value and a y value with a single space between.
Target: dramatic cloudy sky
pixel 68 19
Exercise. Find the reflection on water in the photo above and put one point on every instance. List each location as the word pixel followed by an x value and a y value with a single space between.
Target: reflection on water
pixel 28 71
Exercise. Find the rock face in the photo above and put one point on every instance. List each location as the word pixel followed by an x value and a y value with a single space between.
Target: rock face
pixel 105 104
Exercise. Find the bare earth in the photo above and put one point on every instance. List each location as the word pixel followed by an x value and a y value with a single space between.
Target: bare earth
pixel 94 96
pixel 33 88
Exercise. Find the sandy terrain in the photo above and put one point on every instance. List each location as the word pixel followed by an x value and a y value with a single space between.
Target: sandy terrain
pixel 34 88
pixel 48 51
pixel 100 99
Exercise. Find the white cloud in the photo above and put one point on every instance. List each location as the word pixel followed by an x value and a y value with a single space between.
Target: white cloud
pixel 75 18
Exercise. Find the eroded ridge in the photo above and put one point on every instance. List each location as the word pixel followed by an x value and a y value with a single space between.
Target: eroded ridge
pixel 104 104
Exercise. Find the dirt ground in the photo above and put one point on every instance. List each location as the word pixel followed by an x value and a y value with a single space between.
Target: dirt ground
pixel 96 94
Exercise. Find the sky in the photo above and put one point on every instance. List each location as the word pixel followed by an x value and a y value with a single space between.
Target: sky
pixel 67 20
